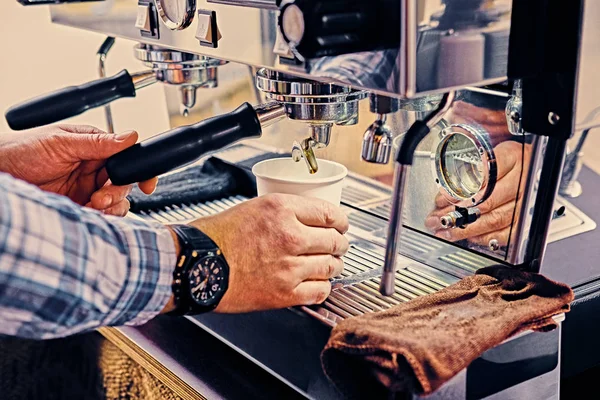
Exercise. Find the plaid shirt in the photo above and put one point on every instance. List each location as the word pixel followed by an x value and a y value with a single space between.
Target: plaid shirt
pixel 65 269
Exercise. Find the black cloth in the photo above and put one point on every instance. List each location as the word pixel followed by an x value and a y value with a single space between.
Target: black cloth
pixel 212 180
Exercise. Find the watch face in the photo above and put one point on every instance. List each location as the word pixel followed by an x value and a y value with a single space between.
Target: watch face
pixel 207 280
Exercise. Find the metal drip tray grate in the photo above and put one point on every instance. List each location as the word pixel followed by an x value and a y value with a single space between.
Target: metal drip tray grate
pixel 355 193
pixel 190 212
pixel 466 261
pixel 356 291
pixel 363 224
pixel 383 210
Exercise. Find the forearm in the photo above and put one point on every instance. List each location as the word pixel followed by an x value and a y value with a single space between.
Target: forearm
pixel 64 269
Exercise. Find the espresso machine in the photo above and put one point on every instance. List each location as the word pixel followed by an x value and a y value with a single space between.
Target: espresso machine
pixel 466 109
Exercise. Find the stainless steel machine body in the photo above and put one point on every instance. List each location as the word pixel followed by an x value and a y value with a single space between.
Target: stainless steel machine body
pixel 417 39
pixel 473 195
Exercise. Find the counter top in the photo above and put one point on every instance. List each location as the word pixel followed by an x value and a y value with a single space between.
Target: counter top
pixel 193 363
pixel 579 250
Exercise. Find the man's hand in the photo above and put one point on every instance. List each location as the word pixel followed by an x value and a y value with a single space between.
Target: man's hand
pixel 498 210
pixel 493 121
pixel 69 160
pixel 281 251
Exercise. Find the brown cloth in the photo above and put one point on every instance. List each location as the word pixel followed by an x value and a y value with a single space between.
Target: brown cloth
pixel 417 346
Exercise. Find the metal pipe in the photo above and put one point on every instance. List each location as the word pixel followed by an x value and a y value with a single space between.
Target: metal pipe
pixel 435 117
pixel 389 268
pixel 320 133
pixel 142 79
pixel 257 93
pixel 188 96
pixel 569 187
pixel 270 113
pixel 401 173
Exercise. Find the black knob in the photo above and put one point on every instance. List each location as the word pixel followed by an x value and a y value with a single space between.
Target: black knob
pixel 327 28
pixel 182 146
pixel 69 102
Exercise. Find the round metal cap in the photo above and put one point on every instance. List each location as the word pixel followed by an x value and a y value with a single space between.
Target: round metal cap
pixel 292 23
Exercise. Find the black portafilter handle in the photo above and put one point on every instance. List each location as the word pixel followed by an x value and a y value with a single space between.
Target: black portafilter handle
pixel 69 102
pixel 181 146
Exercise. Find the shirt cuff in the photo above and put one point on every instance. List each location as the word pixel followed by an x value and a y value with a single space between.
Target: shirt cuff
pixel 147 287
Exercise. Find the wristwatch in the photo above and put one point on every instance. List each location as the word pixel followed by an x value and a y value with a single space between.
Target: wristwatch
pixel 201 275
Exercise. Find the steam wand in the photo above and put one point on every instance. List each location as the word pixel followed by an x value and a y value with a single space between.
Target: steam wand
pixel 404 159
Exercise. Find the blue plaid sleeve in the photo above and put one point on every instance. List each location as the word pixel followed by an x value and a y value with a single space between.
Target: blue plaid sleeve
pixel 65 269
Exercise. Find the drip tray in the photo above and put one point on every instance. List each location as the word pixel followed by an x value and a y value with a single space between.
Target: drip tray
pixel 356 290
pixel 571 223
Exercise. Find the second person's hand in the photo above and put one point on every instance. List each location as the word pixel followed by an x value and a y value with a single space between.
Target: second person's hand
pixel 69 160
pixel 281 250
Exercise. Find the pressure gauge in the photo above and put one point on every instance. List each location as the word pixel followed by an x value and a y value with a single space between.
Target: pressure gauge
pixel 464 163
pixel 176 14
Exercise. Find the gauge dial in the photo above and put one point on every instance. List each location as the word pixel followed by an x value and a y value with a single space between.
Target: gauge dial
pixel 207 281
pixel 464 163
pixel 176 14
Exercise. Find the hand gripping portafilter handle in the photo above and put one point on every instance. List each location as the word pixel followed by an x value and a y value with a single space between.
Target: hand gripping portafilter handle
pixel 70 101
pixel 181 146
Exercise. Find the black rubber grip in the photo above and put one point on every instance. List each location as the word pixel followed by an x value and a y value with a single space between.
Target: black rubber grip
pixel 182 146
pixel 106 45
pixel 415 134
pixel 70 101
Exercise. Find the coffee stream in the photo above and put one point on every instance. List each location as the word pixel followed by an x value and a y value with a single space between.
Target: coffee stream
pixel 305 150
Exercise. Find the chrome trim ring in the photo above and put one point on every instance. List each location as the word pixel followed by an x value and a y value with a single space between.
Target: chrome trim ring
pixel 184 21
pixel 162 58
pixel 479 138
pixel 292 90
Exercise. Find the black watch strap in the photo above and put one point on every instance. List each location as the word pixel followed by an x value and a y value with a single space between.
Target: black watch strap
pixel 194 245
pixel 190 237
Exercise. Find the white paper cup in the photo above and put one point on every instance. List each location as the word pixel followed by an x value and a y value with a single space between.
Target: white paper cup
pixel 284 175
